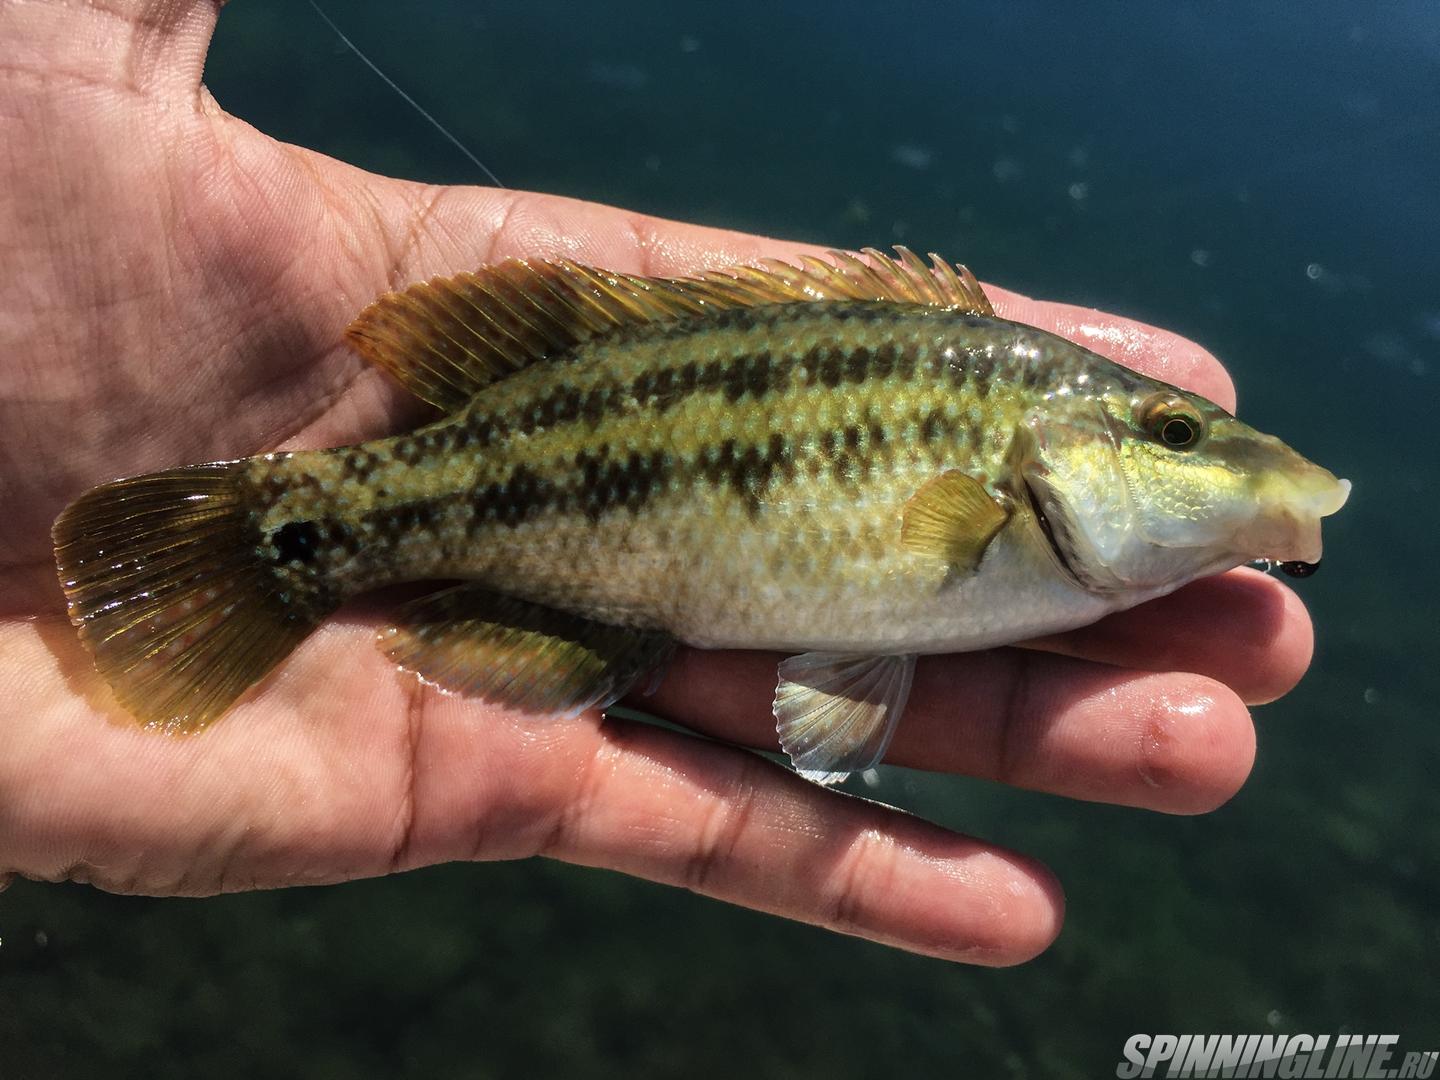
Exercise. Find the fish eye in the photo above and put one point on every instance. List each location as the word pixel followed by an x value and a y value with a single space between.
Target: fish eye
pixel 1178 431
pixel 1172 421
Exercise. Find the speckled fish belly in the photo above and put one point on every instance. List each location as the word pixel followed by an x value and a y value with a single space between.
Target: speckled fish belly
pixel 856 460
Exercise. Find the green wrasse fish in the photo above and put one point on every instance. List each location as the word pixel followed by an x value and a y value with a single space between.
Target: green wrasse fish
pixel 853 460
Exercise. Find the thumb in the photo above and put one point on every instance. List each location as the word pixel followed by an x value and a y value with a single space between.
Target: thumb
pixel 156 47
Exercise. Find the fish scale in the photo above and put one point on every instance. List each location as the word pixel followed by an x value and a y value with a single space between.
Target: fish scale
pixel 857 460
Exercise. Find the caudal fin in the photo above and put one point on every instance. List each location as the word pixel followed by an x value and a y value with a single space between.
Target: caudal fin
pixel 174 592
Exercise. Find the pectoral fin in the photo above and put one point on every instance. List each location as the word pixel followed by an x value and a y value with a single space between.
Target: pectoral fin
pixel 519 654
pixel 836 712
pixel 953 518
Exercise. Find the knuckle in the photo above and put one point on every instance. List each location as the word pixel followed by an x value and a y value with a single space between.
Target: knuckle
pixel 722 828
pixel 859 875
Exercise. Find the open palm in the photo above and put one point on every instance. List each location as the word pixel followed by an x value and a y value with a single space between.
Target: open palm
pixel 174 289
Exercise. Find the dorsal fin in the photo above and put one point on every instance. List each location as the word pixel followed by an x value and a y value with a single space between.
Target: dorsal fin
pixel 448 338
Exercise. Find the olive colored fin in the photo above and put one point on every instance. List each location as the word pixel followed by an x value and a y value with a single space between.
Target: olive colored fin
pixel 171 593
pixel 517 654
pixel 836 712
pixel 953 518
pixel 448 338
pixel 901 279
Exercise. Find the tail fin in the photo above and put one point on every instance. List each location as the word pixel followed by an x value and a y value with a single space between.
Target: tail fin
pixel 172 590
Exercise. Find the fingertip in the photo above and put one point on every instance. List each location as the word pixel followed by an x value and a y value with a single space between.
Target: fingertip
pixel 1250 630
pixel 959 900
pixel 1195 745
pixel 1291 650
pixel 1036 904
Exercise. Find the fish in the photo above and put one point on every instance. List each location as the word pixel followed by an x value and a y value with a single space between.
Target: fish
pixel 851 460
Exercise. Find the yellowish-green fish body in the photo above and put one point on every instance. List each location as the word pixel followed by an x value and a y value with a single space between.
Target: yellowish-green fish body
pixel 857 461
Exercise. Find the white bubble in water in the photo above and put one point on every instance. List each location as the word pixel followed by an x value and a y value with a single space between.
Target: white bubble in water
pixel 1006 169
pixel 912 155
pixel 1314 271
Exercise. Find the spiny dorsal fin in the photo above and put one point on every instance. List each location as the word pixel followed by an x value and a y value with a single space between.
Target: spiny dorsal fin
pixel 448 338
pixel 953 518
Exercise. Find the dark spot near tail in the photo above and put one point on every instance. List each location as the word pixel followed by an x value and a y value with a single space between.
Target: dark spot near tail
pixel 1296 568
pixel 296 541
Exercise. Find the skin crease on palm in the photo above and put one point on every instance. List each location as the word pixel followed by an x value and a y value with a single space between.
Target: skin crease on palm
pixel 174 291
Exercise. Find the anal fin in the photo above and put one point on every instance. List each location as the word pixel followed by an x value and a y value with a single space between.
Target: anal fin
pixel 836 712
pixel 472 641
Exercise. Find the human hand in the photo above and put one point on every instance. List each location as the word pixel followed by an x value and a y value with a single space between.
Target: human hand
pixel 175 292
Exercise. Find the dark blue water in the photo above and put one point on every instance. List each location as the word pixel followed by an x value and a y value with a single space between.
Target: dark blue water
pixel 1261 178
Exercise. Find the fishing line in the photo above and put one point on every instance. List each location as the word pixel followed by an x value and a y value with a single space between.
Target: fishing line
pixel 441 128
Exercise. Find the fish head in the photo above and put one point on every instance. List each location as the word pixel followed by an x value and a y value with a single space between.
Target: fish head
pixel 1146 487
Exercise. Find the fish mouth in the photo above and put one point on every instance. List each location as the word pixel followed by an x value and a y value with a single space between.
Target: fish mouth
pixel 1290 535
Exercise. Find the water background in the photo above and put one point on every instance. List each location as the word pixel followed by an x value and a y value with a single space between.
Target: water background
pixel 1263 178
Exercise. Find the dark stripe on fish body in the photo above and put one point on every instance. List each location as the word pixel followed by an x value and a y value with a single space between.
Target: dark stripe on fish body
pixel 522 495
pixel 754 375
pixel 748 471
pixel 595 486
pixel 597 481
pixel 360 463
pixel 609 483
pixel 981 370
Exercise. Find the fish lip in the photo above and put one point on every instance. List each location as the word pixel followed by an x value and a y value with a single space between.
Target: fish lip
pixel 1299 522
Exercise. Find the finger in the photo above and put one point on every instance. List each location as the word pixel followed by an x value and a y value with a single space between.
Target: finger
pixel 1174 742
pixel 1243 628
pixel 727 824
